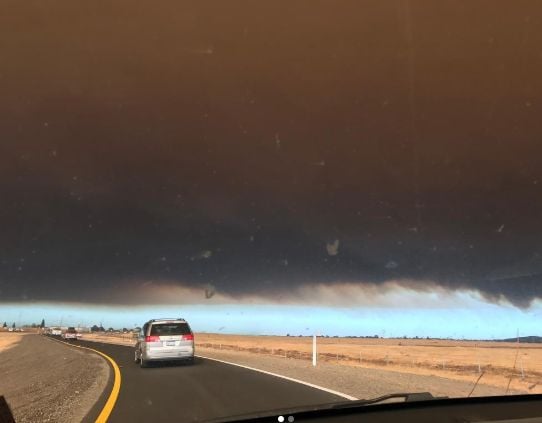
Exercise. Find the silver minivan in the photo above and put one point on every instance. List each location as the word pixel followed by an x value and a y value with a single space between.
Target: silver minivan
pixel 164 340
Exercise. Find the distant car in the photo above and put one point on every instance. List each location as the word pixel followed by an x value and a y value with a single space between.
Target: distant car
pixel 10 330
pixel 164 340
pixel 56 332
pixel 71 333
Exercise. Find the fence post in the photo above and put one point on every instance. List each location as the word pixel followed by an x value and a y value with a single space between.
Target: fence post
pixel 521 364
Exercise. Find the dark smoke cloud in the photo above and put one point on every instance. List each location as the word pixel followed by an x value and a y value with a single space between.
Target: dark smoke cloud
pixel 257 148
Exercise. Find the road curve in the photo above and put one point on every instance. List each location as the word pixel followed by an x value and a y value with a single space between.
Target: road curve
pixel 206 390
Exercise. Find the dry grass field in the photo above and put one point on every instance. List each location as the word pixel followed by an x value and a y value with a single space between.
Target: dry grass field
pixel 506 365
pixel 9 339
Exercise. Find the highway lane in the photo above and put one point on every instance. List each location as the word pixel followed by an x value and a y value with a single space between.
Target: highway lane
pixel 205 390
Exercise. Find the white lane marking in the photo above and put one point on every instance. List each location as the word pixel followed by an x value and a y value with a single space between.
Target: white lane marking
pixel 291 379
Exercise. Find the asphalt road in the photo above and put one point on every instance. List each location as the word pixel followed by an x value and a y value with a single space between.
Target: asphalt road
pixel 205 390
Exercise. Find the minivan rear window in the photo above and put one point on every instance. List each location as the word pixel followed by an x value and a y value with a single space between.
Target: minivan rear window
pixel 165 329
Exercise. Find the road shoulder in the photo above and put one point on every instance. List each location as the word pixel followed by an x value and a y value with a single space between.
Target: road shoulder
pixel 44 380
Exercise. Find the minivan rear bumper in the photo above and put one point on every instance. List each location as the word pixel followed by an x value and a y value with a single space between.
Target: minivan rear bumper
pixel 157 355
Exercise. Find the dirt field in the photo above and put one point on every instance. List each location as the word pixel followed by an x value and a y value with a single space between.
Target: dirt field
pixel 504 365
pixel 127 339
pixel 9 340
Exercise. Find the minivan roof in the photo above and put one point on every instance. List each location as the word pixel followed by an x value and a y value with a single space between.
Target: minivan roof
pixel 176 319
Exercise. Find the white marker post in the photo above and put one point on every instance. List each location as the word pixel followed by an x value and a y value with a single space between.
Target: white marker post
pixel 314 350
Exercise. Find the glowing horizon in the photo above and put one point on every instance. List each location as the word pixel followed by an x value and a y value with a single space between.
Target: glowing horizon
pixel 474 319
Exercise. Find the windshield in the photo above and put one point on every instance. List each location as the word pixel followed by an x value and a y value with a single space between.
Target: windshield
pixel 347 194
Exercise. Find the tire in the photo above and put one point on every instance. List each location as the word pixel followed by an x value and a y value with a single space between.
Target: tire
pixel 143 363
pixel 190 361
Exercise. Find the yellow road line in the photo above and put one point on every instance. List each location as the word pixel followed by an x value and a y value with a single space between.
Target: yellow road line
pixel 108 407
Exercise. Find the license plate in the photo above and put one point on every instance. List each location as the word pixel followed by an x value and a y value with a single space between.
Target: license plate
pixel 170 343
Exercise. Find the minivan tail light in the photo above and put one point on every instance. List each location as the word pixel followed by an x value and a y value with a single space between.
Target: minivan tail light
pixel 152 338
pixel 189 337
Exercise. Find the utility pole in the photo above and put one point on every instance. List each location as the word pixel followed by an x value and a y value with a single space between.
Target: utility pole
pixel 314 354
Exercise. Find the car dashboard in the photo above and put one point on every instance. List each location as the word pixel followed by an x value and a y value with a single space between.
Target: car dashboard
pixel 497 409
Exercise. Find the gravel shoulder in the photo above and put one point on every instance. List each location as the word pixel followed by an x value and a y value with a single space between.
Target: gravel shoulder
pixel 357 381
pixel 46 381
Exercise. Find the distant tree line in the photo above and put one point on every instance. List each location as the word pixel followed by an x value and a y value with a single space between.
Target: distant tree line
pixel 336 336
pixel 96 328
